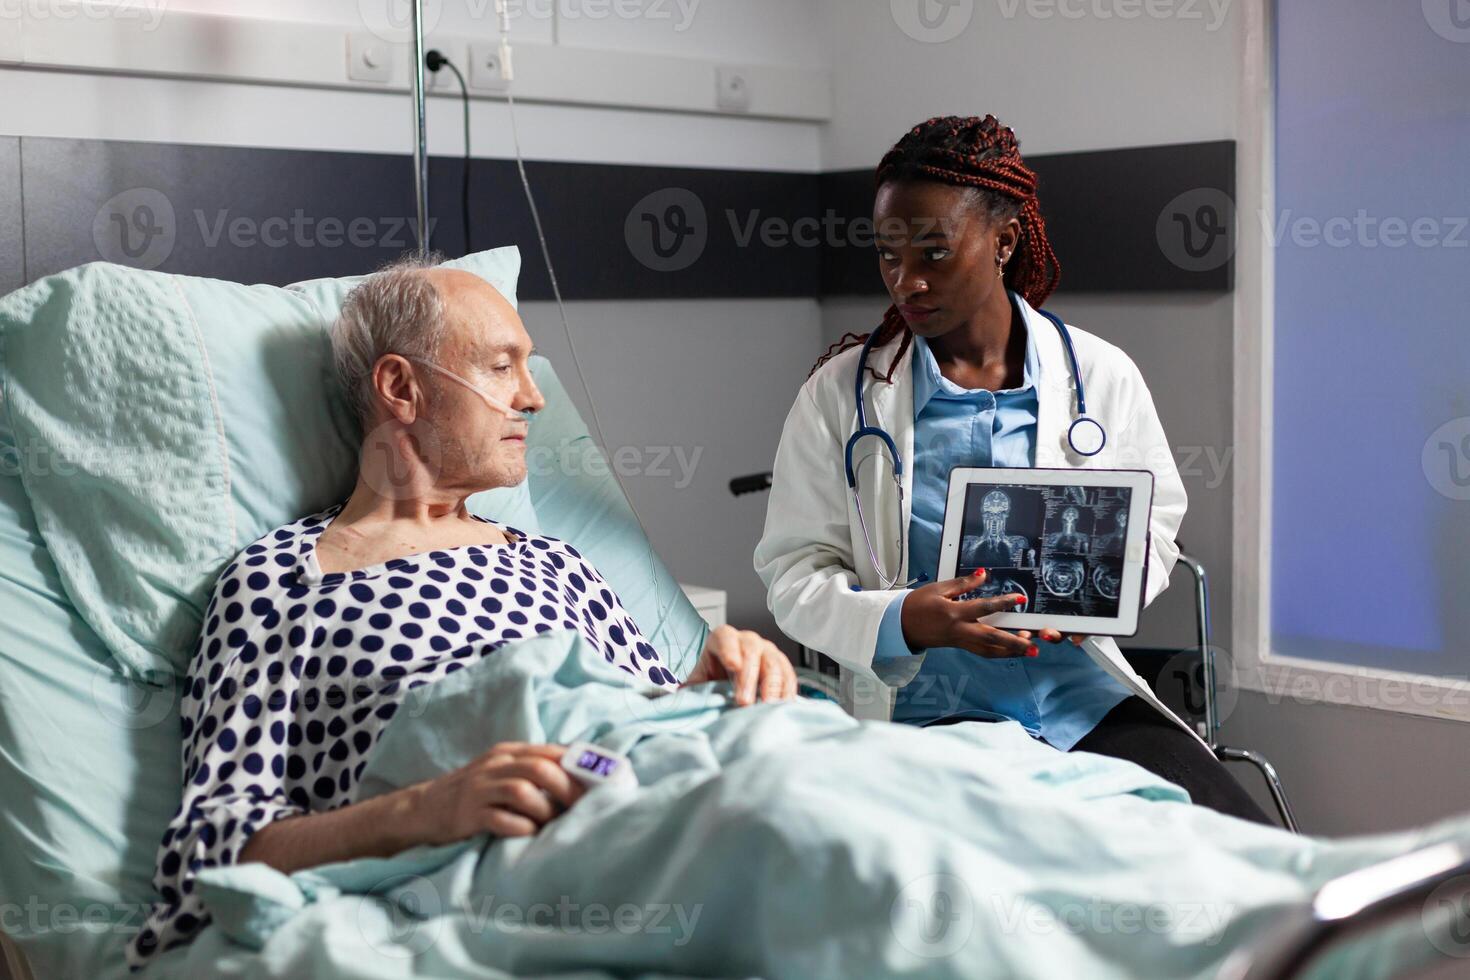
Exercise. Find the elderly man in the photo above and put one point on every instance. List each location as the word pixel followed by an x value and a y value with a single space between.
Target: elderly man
pixel 317 631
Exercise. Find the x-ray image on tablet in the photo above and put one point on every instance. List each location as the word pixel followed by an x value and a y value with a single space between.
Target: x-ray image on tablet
pixel 1064 539
pixel 992 520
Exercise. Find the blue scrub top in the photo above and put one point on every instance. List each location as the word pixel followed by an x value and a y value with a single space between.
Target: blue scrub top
pixel 1059 695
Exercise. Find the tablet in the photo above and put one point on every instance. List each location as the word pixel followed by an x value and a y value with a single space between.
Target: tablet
pixel 1074 542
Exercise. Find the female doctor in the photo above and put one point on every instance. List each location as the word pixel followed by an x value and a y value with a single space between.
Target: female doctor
pixel 964 371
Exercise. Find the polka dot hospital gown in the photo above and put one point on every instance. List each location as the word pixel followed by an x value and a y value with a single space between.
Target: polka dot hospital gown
pixel 298 673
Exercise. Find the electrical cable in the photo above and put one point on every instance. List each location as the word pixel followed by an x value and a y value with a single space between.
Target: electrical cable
pixel 434 61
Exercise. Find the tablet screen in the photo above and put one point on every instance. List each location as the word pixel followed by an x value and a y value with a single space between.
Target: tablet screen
pixel 1060 546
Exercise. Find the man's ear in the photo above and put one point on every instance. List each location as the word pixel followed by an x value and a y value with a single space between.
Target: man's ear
pixel 396 388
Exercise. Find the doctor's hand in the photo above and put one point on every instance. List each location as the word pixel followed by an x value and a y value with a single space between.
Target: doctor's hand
pixel 752 663
pixel 1055 636
pixel 935 616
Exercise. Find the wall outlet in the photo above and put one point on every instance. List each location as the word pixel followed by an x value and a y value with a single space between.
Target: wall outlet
pixel 369 58
pixel 732 89
pixel 443 80
pixel 487 72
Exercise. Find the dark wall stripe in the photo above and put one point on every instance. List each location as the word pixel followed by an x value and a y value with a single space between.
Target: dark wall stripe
pixel 615 232
pixel 12 268
pixel 1142 219
pixel 1145 219
pixel 279 216
pixel 252 215
pixel 620 232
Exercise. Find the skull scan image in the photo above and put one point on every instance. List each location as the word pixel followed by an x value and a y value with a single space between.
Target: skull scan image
pixel 1062 578
pixel 1068 539
pixel 1107 581
pixel 994 548
pixel 1112 543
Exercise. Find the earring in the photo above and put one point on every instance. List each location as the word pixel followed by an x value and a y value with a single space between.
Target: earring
pixel 1000 266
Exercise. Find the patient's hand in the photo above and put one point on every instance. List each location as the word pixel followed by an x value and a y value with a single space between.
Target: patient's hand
pixel 754 664
pixel 511 791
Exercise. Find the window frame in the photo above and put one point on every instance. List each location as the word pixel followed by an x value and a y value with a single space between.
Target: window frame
pixel 1257 667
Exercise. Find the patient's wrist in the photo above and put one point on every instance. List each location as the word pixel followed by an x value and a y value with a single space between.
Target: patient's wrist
pixel 406 820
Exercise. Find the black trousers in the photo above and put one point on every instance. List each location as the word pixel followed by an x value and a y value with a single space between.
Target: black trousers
pixel 1136 732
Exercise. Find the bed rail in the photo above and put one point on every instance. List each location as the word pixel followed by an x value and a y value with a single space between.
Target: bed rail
pixel 1391 892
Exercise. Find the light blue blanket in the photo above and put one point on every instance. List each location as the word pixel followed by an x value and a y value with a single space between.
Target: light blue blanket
pixel 776 841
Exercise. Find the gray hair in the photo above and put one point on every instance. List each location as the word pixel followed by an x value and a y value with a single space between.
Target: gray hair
pixel 396 310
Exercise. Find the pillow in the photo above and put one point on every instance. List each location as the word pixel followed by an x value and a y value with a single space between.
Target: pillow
pixel 89 763
pixel 164 422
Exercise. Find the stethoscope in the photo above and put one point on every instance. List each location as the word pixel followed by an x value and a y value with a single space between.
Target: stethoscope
pixel 1086 437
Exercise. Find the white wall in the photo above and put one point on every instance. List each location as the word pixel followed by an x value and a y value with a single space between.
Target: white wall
pixel 84 106
pixel 745 31
pixel 1062 82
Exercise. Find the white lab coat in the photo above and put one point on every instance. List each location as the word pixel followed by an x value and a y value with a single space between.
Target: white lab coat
pixel 812 551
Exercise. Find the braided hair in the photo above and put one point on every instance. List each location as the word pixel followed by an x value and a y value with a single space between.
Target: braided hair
pixel 985 156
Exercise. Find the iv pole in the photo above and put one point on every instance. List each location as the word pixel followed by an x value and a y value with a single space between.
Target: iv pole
pixel 420 142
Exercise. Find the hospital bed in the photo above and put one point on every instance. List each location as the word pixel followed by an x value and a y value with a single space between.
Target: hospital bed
pixel 180 418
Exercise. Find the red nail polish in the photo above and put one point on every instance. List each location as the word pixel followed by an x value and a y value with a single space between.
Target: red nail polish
pixel 1032 651
pixel 978 572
